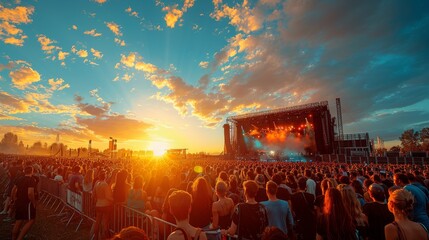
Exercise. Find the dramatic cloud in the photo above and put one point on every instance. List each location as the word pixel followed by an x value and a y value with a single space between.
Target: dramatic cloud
pixel 300 62
pixel 9 18
pixel 93 33
pixel 24 77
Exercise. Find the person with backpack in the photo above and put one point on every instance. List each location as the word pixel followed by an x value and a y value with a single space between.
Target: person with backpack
pixel 250 218
pixel 180 207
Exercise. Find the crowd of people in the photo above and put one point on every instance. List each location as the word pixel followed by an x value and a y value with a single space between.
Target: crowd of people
pixel 208 199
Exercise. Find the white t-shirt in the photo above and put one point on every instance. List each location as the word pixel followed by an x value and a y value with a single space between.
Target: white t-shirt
pixel 311 186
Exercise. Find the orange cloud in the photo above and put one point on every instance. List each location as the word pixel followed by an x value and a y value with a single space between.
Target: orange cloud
pixel 7 117
pixel 146 67
pixel 17 15
pixel 115 28
pixel 242 16
pixel 96 54
pixel 13 104
pixel 58 84
pixel 131 12
pixel 15 41
pixel 174 14
pixel 46 43
pixel 24 77
pixel 128 60
pixel 100 1
pixel 92 32
pixel 82 53
pixel 117 126
pixel 9 28
pixel 120 42
pixel 62 55
pixel 9 33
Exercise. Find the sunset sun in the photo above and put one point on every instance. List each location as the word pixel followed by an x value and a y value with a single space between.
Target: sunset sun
pixel 158 148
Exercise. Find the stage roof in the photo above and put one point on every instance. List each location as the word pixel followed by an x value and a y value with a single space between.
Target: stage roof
pixel 279 110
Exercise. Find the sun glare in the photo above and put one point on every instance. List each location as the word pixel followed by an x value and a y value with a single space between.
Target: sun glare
pixel 158 148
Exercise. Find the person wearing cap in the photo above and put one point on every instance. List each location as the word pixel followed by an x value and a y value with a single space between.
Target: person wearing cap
pixel 377 212
pixel 261 195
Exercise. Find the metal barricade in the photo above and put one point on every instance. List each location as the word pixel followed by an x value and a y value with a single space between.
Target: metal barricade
pixel 124 216
pixel 162 228
pixel 88 205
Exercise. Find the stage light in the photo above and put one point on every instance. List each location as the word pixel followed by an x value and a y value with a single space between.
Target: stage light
pixel 272 152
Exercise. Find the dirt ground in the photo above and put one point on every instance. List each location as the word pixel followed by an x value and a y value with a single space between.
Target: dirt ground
pixel 48 227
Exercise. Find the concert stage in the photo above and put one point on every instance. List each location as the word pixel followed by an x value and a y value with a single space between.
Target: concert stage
pixel 281 134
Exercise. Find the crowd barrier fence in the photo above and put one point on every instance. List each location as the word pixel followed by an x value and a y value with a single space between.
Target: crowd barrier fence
pixel 55 195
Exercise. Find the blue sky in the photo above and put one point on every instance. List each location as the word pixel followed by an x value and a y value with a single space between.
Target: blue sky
pixel 170 72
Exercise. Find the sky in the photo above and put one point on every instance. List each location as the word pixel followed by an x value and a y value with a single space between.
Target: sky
pixel 169 73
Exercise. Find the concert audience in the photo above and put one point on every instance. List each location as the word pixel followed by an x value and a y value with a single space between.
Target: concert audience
pixel 233 174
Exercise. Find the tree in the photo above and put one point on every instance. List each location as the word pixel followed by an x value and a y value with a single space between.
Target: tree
pixel 9 143
pixel 410 141
pixel 395 149
pixel 424 139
